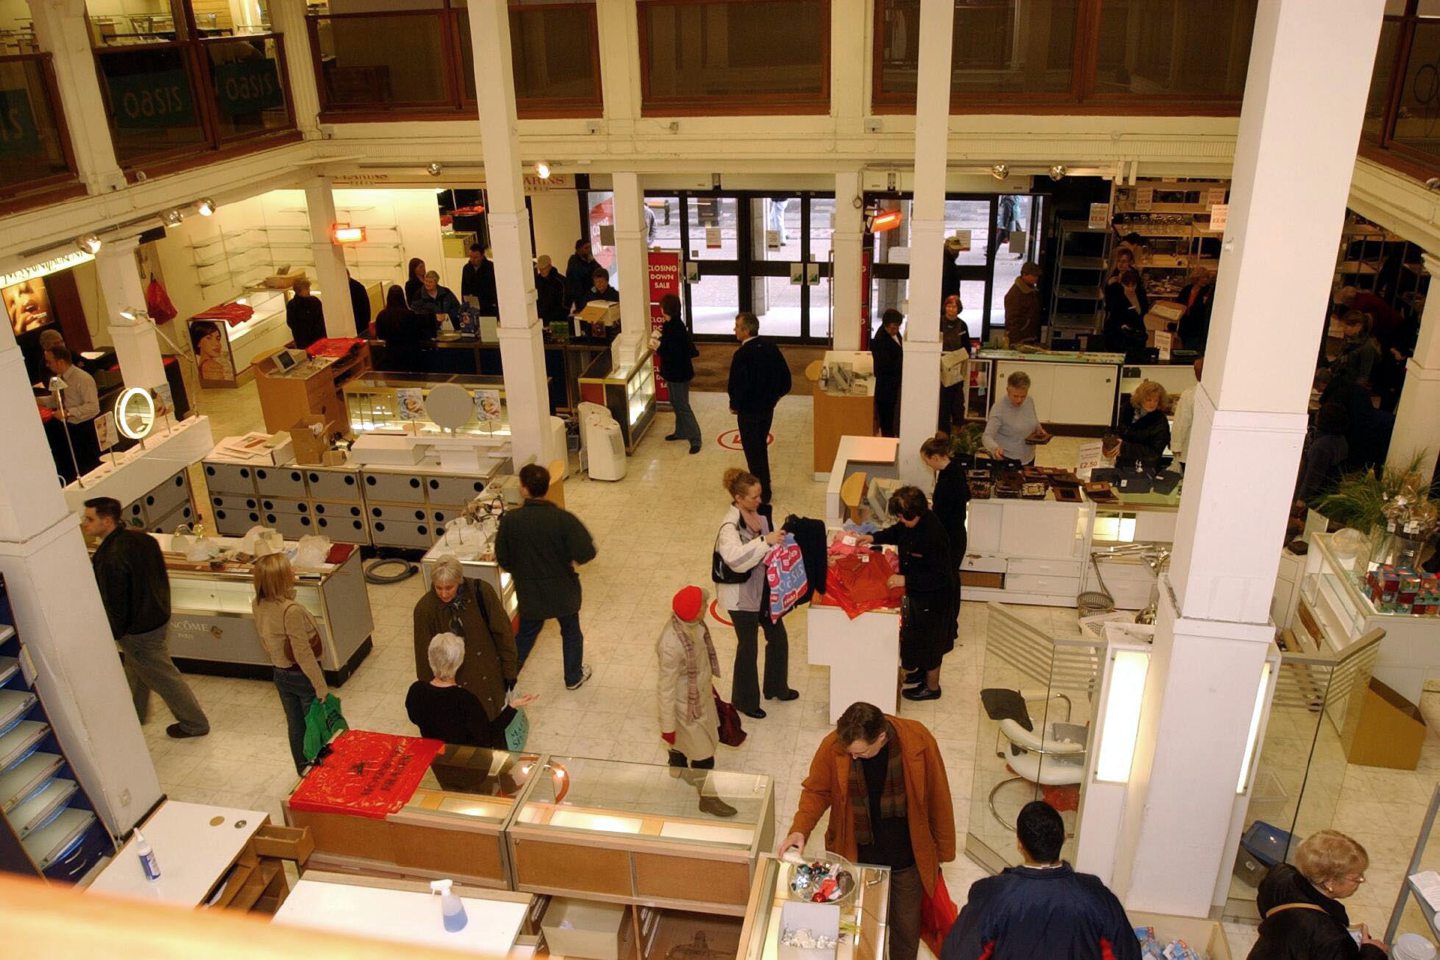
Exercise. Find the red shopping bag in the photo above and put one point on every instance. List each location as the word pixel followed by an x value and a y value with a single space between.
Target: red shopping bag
pixel 937 915
pixel 157 302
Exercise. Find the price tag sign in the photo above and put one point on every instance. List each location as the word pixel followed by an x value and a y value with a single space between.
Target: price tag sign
pixel 248 87
pixel 712 238
pixel 1144 198
pixel 1099 216
pixel 1163 343
pixel 964 237
pixel 17 123
pixel 146 101
pixel 1090 457
pixel 1219 217
pixel 1215 195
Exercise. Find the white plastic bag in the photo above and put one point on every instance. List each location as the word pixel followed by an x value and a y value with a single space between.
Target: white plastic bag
pixel 312 551
pixel 260 541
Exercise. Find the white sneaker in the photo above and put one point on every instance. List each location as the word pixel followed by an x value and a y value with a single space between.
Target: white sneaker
pixel 584 675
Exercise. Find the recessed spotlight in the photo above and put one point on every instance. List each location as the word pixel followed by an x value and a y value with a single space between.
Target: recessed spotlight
pixel 173 218
pixel 1000 171
pixel 1059 172
pixel 206 207
pixel 434 169
pixel 542 169
pixel 90 243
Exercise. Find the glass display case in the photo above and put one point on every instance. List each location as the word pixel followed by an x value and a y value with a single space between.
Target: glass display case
pixel 863 929
pixel 212 629
pixel 627 390
pixel 394 403
pixel 1037 712
pixel 637 833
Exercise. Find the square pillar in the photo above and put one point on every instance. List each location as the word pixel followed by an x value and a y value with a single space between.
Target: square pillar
pixel 848 246
pixel 633 258
pixel 331 279
pixel 137 345
pixel 62 30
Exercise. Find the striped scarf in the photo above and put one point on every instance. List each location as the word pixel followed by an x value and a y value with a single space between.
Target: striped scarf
pixel 892 795
pixel 692 668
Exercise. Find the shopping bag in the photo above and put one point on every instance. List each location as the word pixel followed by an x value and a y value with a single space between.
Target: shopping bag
pixel 937 915
pixel 322 722
pixel 517 731
pixel 157 302
pixel 731 733
pixel 952 367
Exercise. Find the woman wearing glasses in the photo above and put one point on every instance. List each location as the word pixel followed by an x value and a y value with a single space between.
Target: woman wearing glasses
pixel 1301 906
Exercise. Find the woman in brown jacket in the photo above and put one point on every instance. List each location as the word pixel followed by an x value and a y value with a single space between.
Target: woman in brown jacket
pixel 470 610
pixel 292 641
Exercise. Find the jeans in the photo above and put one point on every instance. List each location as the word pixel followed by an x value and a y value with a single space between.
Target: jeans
pixel 744 683
pixel 148 667
pixel 906 895
pixel 296 694
pixel 685 423
pixel 755 440
pixel 572 644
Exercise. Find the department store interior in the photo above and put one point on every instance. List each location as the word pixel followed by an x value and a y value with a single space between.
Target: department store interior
pixel 1198 660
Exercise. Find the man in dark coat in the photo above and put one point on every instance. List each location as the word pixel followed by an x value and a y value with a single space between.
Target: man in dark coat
pixel 889 355
pixel 477 279
pixel 759 377
pixel 549 292
pixel 305 316
pixel 135 589
pixel 360 306
pixel 579 274
pixel 1042 909
pixel 540 544
pixel 1022 306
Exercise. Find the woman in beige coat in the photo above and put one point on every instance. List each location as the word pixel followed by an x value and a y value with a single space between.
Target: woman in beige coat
pixel 689 724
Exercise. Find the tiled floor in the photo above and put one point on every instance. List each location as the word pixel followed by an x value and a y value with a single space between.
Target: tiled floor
pixel 653 530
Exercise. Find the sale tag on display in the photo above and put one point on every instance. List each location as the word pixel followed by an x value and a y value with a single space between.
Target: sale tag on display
pixel 1090 457
pixel 1215 195
pixel 712 238
pixel 1163 340
pixel 1219 216
pixel 964 237
pixel 1099 216
pixel 1144 198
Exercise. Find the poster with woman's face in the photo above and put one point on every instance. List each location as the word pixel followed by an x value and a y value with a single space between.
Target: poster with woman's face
pixel 28 304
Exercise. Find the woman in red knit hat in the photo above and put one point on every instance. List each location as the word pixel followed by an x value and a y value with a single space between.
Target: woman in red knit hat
pixel 689 724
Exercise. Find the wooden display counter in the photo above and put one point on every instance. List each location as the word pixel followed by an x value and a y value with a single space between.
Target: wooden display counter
pixel 837 414
pixel 312 387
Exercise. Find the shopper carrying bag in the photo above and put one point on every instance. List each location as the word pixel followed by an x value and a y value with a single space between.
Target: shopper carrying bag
pixel 292 641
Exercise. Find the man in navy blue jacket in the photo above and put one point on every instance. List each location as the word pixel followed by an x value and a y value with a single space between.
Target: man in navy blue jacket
pixel 1042 909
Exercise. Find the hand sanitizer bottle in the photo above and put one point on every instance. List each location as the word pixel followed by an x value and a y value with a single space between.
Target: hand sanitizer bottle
pixel 452 911
pixel 148 863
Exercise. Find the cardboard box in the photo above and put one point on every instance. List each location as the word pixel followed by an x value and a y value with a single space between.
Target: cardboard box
pixel 283 281
pixel 581 928
pixel 1206 936
pixel 821 919
pixel 1382 729
pixel 310 449
pixel 1163 315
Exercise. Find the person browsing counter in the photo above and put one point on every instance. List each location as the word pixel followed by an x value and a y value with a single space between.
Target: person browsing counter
pixel 888 352
pixel 414 280
pixel 1013 421
pixel 405 332
pixel 1300 904
pixel 1143 440
pixel 1022 306
pixel 549 292
pixel 444 710
pixel 471 610
pixel 292 642
pixel 81 401
pixel 305 316
pixel 477 279
pixel 435 299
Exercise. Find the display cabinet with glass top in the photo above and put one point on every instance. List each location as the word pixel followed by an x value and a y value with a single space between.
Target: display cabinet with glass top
pixel 627 390
pixel 394 403
pixel 863 930
pixel 642 834
pixel 453 824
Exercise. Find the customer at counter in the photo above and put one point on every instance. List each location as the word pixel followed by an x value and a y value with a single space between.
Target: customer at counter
pixel 1300 904
pixel 1326 451
pixel 414 280
pixel 359 305
pixel 292 642
pixel 1125 307
pixel 477 280
pixel 1197 297
pixel 549 292
pixel 444 710
pixel 1013 427
pixel 1022 306
pixel 435 300
pixel 951 495
pixel 81 402
pixel 579 274
pixel 600 288
pixel 1360 352
pixel 1144 438
pixel 470 609
pixel 304 315
pixel 405 332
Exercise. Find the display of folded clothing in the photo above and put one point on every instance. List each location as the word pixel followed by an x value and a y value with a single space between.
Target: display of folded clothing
pixel 232 313
pixel 334 347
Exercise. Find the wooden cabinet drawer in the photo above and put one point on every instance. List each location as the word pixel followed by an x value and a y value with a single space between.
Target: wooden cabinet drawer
pixel 1042 586
pixel 1045 568
pixel 565 866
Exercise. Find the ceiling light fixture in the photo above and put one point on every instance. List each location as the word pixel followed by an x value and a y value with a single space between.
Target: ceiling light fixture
pixel 90 243
pixel 1059 172
pixel 342 233
pixel 173 218
pixel 434 169
pixel 206 207
pixel 542 169
pixel 1000 171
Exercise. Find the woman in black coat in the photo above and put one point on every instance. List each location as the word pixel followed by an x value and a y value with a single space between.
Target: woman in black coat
pixel 1125 307
pixel 928 575
pixel 1300 904
pixel 952 493
pixel 405 332
pixel 1144 439
pixel 889 357
pixel 676 351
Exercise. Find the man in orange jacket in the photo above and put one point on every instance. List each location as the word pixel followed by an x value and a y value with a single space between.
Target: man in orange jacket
pixel 884 782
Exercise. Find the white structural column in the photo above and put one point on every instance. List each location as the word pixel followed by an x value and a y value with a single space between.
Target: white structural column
pixel 1417 418
pixel 617 23
pixel 920 389
pixel 847 246
pixel 137 345
pixel 1309 69
pixel 287 17
pixel 522 353
pixel 62 31
pixel 633 259
pixel 60 618
pixel 330 280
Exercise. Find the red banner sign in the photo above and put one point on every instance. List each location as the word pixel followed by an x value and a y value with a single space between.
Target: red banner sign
pixel 664 279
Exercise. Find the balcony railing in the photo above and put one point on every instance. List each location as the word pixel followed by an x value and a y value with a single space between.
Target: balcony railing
pixel 35 157
pixel 1402 114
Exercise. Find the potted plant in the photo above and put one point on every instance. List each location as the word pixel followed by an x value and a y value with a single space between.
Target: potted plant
pixel 1393 508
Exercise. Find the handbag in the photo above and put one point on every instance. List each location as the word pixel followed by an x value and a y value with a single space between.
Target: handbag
pixel 720 571
pixel 323 722
pixel 937 915
pixel 731 733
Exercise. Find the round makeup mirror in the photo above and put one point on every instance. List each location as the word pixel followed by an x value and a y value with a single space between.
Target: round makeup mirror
pixel 449 405
pixel 135 413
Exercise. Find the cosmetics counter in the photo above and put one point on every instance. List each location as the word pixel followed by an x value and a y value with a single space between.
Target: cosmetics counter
pixel 626 389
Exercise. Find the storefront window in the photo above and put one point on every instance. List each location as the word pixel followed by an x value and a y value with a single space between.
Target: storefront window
pixel 714 56
pixel 247 82
pixel 128 22
pixel 150 101
pixel 33 151
pixel 372 60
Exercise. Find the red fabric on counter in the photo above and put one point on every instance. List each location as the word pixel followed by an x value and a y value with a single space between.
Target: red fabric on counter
pixel 366 774
pixel 334 346
pixel 231 313
pixel 857 583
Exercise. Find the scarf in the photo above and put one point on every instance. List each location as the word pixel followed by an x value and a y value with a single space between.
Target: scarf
pixel 892 795
pixel 456 608
pixel 692 668
pixel 753 522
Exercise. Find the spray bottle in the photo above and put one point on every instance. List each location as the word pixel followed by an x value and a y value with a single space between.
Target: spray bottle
pixel 148 863
pixel 452 911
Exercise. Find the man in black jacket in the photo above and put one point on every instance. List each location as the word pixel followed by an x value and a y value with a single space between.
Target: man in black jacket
pixel 579 274
pixel 1042 909
pixel 305 316
pixel 759 377
pixel 477 279
pixel 135 589
pixel 549 292
pixel 889 356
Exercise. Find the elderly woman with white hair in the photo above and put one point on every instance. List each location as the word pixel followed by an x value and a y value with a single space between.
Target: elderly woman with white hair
pixel 1300 904
pixel 471 610
pixel 444 710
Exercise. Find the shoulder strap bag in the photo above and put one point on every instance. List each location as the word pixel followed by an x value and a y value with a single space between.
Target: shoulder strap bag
pixel 1297 905
pixel 316 646
pixel 720 571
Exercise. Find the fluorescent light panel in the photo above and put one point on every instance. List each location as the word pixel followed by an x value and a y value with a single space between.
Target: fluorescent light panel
pixel 1123 700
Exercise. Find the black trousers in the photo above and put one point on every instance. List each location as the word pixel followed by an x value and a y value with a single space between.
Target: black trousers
pixel 887 407
pixel 754 440
pixel 744 679
pixel 678 759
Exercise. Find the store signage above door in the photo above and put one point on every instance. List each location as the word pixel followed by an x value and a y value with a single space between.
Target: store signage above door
pixel 46 267
pixel 404 178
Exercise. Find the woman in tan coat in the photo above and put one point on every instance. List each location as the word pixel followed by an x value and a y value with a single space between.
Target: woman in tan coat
pixel 689 724
pixel 292 641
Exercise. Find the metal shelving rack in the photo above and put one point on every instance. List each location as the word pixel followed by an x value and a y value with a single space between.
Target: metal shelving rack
pixel 1078 291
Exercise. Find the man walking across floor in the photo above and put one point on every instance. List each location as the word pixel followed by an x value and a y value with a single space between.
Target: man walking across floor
pixel 884 782
pixel 1042 908
pixel 540 544
pixel 135 589
pixel 759 377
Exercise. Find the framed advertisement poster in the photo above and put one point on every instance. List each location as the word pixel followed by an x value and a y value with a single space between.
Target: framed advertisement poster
pixel 27 304
pixel 210 340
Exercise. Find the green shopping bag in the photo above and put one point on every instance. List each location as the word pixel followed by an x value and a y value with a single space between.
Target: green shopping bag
pixel 517 731
pixel 323 721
